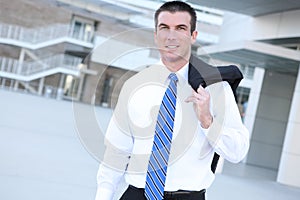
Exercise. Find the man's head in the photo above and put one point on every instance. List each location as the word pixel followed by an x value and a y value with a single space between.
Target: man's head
pixel 175 33
pixel 177 6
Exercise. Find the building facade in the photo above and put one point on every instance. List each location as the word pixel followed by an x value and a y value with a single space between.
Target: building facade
pixel 84 50
pixel 47 46
pixel 80 50
pixel 266 35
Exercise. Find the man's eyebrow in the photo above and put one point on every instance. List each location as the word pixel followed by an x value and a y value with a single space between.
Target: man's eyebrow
pixel 162 24
pixel 181 25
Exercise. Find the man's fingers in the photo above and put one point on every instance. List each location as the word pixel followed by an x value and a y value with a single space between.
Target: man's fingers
pixel 191 99
pixel 195 97
pixel 201 91
pixel 199 96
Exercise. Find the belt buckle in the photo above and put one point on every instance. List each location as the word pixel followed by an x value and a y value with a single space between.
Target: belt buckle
pixel 176 193
pixel 182 192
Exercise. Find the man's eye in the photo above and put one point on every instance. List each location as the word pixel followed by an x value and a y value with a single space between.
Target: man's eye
pixel 181 28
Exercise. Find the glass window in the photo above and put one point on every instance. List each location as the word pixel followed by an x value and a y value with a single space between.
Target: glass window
pixel 106 90
pixel 76 30
pixel 71 86
pixel 82 29
pixel 242 100
pixel 248 71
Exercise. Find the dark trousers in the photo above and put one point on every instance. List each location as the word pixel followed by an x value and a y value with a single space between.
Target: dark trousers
pixel 133 193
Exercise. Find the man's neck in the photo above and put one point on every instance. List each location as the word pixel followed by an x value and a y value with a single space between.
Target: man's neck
pixel 175 66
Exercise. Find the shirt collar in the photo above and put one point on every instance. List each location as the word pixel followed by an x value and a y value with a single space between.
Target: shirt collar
pixel 182 74
pixel 184 71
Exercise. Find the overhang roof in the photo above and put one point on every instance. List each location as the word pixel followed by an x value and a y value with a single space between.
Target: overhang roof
pixel 250 7
pixel 257 54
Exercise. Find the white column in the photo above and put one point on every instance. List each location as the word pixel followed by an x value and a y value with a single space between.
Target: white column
pixel 79 90
pixel 20 65
pixel 254 95
pixel 3 80
pixel 41 86
pixel 60 89
pixel 288 172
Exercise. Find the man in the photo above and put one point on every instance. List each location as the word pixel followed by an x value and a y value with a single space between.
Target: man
pixel 159 103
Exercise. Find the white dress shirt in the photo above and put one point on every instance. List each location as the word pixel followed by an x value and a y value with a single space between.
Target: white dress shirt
pixel 130 133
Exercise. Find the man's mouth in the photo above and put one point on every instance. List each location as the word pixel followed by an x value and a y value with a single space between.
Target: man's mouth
pixel 172 46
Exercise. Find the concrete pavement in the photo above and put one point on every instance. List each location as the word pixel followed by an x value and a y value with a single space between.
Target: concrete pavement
pixel 43 157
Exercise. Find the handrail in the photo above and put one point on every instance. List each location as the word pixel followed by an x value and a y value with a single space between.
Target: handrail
pixel 27 68
pixel 41 34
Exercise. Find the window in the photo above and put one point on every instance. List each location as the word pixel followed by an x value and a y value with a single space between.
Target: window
pixel 248 71
pixel 82 29
pixel 106 90
pixel 242 94
pixel 71 86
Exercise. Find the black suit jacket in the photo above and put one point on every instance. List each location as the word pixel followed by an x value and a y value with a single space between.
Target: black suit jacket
pixel 201 73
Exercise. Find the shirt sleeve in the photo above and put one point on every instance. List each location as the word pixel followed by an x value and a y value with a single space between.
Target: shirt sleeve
pixel 118 143
pixel 227 134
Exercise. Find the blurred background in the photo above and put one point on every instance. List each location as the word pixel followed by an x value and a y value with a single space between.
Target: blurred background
pixel 63 63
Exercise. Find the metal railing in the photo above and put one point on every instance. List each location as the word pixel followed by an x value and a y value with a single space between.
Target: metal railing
pixel 26 68
pixel 41 34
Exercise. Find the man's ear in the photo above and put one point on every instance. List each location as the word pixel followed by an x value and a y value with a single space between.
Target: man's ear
pixel 194 36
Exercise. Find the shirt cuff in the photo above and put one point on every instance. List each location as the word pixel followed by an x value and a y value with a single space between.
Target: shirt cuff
pixel 205 130
pixel 213 132
pixel 104 194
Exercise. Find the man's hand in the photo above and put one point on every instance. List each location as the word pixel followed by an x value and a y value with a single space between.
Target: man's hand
pixel 201 102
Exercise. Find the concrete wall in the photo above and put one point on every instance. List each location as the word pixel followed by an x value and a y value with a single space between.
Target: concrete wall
pixel 33 13
pixel 288 172
pixel 93 85
pixel 238 27
pixel 271 119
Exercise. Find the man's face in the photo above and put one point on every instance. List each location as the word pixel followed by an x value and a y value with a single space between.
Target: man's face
pixel 173 36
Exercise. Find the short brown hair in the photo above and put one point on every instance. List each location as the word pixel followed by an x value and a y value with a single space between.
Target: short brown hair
pixel 177 6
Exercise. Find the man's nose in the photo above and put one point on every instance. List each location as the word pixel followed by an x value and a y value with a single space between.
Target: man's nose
pixel 172 34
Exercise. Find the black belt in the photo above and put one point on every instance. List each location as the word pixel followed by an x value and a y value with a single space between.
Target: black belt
pixel 169 194
pixel 182 193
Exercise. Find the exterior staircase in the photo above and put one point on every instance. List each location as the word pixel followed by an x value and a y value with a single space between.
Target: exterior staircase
pixel 30 67
pixel 32 70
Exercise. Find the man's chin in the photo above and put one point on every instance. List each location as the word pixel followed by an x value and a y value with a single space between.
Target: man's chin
pixel 173 58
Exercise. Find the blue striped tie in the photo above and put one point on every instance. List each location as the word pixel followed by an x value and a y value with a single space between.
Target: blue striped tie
pixel 157 168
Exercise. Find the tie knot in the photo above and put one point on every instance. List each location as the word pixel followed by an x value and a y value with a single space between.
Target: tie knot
pixel 173 77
